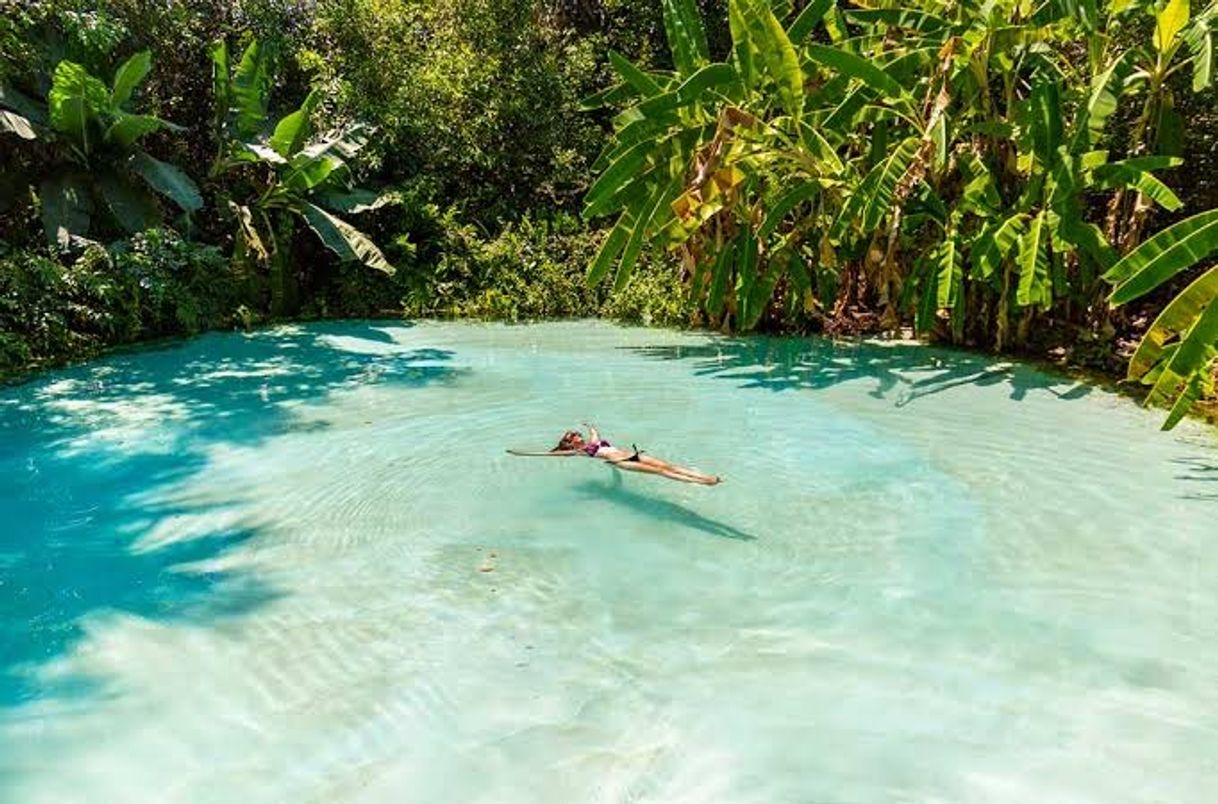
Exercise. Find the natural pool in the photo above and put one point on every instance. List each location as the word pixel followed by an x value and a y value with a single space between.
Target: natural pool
pixel 298 566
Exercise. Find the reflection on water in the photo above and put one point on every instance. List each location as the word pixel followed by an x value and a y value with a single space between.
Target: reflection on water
pixel 296 565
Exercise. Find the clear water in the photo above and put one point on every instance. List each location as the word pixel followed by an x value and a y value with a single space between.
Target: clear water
pixel 298 566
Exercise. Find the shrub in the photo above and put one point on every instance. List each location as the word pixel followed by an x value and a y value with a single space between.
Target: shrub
pixel 152 285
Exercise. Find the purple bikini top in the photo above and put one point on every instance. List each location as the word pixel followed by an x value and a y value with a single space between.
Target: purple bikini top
pixel 594 446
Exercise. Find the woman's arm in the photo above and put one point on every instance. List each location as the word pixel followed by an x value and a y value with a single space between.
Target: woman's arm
pixel 553 453
pixel 592 434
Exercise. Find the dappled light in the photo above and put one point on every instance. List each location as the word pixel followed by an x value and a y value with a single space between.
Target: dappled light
pixel 309 541
pixel 92 459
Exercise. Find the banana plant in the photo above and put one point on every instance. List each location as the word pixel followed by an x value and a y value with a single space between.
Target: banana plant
pixel 1178 355
pixel 286 173
pixel 89 160
pixel 1180 40
pixel 700 153
pixel 937 163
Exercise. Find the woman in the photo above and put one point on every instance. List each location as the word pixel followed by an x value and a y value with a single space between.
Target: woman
pixel 573 443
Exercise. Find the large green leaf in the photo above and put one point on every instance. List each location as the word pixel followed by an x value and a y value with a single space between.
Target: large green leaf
pixel 773 53
pixel 807 19
pixel 754 305
pixel 1176 248
pixel 1176 319
pixel 1045 121
pixel 881 193
pixel 609 96
pixel 128 128
pixel 951 273
pixel 906 18
pixel 1168 22
pixel 132 206
pixel 712 76
pixel 347 142
pixel 1089 239
pixel 686 37
pixel 624 169
pixel 1194 355
pixel 357 201
pixel 644 84
pixel 349 243
pixel 66 206
pixel 746 274
pixel 856 67
pixel 128 77
pixel 249 89
pixel 819 147
pixel 993 245
pixel 777 211
pixel 167 180
pixel 1200 41
pixel 724 263
pixel 76 101
pixel 221 86
pixel 1197 386
pixel 610 248
pixel 1106 90
pixel 293 129
pixel 308 173
pixel 1035 286
pixel 641 225
pixel 1128 173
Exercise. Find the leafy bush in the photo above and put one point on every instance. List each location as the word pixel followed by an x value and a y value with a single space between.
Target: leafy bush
pixel 153 285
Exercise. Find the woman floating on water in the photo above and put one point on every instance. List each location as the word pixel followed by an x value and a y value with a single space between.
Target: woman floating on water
pixel 573 443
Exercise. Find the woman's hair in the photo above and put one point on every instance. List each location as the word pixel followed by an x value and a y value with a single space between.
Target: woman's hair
pixel 568 440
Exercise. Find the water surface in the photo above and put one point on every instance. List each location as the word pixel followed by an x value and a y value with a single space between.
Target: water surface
pixel 297 565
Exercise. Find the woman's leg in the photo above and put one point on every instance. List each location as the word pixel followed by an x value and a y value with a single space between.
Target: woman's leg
pixel 638 466
pixel 681 470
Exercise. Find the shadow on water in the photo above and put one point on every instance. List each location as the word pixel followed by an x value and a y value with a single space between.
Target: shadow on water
pixel 1198 470
pixel 86 452
pixel 780 364
pixel 616 492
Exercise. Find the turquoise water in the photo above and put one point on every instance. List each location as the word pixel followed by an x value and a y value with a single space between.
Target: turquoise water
pixel 298 566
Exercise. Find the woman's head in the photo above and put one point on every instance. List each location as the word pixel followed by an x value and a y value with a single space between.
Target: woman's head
pixel 572 439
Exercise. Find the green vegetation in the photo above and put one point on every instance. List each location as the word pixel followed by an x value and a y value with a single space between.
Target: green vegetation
pixel 1007 175
pixel 950 167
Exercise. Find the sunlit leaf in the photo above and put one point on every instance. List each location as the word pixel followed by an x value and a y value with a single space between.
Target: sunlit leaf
pixel 75 102
pixel 1176 319
pixel 686 37
pixel 1174 249
pixel 1033 261
pixel 292 130
pixel 349 243
pixel 128 77
pixel 1169 22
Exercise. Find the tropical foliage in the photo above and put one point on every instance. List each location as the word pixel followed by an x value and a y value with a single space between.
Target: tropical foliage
pixel 91 162
pixel 1004 174
pixel 287 173
pixel 941 165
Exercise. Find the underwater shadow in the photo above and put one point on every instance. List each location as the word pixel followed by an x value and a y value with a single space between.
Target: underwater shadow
pixel 786 363
pixel 617 493
pixel 90 457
